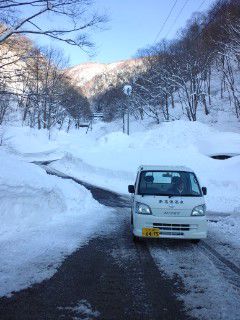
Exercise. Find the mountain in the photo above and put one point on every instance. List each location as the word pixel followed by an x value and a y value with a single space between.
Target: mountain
pixel 94 78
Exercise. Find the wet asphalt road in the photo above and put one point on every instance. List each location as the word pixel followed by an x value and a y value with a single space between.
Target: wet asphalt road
pixel 109 278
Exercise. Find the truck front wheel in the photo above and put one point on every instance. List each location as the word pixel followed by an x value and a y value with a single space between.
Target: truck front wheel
pixel 135 238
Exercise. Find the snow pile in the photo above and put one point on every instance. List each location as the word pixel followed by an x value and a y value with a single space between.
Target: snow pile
pixel 31 142
pixel 109 158
pixel 102 177
pixel 43 219
pixel 112 160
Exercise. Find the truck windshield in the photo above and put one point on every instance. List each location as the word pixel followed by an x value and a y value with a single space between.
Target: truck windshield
pixel 169 183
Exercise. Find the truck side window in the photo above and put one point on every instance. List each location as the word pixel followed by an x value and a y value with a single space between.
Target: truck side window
pixel 135 184
pixel 194 183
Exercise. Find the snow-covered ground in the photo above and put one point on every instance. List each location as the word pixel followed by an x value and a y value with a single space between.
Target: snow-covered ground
pixel 109 158
pixel 211 283
pixel 43 219
pixel 83 310
pixel 208 293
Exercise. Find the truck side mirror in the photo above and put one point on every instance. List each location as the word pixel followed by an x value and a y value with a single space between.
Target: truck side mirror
pixel 204 190
pixel 131 189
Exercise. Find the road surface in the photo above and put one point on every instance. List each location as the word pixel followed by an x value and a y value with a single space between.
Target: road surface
pixel 110 277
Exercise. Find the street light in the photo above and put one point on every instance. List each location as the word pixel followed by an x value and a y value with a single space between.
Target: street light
pixel 127 89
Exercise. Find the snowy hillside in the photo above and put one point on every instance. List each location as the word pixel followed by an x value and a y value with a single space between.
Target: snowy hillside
pixel 221 107
pixel 86 71
pixel 93 77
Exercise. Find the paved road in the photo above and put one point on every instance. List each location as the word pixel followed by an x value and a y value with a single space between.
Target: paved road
pixel 109 278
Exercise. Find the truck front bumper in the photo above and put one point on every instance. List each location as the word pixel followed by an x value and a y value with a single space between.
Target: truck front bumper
pixel 172 227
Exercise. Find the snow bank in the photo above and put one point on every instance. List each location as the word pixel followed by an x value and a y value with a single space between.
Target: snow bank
pixel 106 157
pixel 98 176
pixel 112 160
pixel 43 219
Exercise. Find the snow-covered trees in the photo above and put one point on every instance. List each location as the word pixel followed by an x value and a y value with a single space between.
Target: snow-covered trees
pixel 229 65
pixel 47 98
pixel 107 89
pixel 190 71
pixel 31 79
pixel 112 103
pixel 37 90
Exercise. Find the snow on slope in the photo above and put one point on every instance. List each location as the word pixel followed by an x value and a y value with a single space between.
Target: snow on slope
pixel 84 75
pixel 86 71
pixel 43 219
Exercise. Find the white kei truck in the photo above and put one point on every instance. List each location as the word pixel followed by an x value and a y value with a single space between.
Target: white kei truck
pixel 168 202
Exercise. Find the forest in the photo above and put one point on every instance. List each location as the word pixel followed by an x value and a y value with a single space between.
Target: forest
pixel 198 73
pixel 34 87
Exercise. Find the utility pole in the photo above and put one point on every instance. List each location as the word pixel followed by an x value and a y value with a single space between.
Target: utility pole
pixel 127 89
pixel 123 118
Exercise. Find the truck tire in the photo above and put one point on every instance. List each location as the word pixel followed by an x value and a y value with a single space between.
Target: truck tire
pixel 136 239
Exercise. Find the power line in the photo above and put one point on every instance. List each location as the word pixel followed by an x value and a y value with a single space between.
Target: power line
pixel 181 10
pixel 178 15
pixel 219 7
pixel 166 20
pixel 201 5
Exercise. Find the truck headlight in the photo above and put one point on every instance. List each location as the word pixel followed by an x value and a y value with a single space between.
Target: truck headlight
pixel 199 210
pixel 142 208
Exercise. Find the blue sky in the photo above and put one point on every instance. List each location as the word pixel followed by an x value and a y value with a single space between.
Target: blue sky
pixel 133 24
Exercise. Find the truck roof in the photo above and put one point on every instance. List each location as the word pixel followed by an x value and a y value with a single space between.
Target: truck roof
pixel 164 168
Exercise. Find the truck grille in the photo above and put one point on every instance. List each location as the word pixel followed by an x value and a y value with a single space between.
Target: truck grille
pixel 174 227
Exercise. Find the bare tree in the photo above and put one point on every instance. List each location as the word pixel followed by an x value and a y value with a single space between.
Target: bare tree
pixel 22 17
pixel 229 65
pixel 48 99
pixel 5 100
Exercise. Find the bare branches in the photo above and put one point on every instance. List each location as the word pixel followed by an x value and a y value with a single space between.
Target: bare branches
pixel 79 20
pixel 12 4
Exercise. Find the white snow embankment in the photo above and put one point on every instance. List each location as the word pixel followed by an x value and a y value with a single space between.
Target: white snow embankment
pixel 113 160
pixel 108 158
pixel 102 177
pixel 43 219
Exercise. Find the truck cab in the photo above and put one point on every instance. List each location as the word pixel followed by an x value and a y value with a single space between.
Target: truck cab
pixel 168 202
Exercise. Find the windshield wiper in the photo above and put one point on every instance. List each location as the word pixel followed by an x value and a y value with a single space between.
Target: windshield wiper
pixel 153 194
pixel 170 195
pixel 183 195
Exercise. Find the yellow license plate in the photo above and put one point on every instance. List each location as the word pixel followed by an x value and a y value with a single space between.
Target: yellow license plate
pixel 151 232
